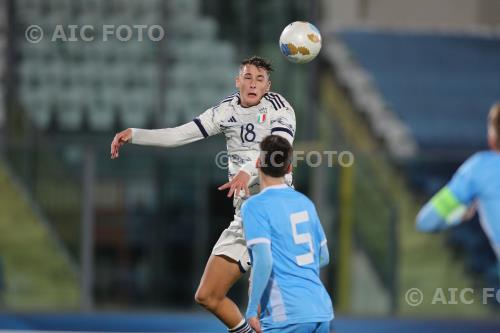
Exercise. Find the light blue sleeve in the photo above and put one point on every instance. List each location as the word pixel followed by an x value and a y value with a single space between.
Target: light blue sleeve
pixel 324 255
pixel 447 207
pixel 429 220
pixel 462 184
pixel 255 223
pixel 262 263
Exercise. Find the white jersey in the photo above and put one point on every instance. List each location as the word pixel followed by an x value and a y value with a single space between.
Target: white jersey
pixel 243 128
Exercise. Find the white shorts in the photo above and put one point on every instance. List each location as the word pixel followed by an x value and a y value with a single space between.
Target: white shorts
pixel 232 244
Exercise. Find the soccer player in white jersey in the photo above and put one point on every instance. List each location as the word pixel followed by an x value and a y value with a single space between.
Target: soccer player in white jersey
pixel 288 246
pixel 244 118
pixel 477 180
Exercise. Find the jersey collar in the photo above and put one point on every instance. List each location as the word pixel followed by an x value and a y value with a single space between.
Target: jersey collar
pixel 236 99
pixel 273 187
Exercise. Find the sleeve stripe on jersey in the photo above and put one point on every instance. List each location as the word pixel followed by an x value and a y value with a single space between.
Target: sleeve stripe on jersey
pixel 273 97
pixel 323 242
pixel 272 102
pixel 260 240
pixel 278 99
pixel 200 126
pixel 282 129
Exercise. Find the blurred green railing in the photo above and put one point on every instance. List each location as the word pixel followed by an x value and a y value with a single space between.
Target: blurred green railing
pixel 375 218
pixel 55 189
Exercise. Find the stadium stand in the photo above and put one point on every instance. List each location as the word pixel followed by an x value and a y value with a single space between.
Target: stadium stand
pixel 440 87
pixel 117 82
pixel 76 93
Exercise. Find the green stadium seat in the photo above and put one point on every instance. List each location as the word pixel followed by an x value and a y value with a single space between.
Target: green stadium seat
pixel 184 6
pixel 106 78
pixel 134 110
pixel 69 110
pixel 37 106
pixel 100 115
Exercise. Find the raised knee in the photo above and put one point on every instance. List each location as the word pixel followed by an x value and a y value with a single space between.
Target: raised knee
pixel 199 297
pixel 205 299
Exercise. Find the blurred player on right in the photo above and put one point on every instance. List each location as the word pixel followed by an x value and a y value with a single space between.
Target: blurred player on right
pixel 477 180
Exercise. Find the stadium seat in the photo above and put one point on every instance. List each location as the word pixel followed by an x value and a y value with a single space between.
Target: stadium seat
pixel 106 78
pixel 38 108
pixel 100 115
pixel 435 83
pixel 134 110
pixel 184 6
pixel 441 88
pixel 69 111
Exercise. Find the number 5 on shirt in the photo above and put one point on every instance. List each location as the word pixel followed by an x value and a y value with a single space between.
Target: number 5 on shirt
pixel 303 238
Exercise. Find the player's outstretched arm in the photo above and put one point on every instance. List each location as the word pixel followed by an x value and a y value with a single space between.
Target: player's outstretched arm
pixel 442 211
pixel 119 140
pixel 165 137
pixel 454 203
pixel 429 220
pixel 201 127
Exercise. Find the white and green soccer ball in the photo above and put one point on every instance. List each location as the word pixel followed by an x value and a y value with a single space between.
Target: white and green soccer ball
pixel 300 42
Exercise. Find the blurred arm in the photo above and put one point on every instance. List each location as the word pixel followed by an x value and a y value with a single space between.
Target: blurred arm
pixel 442 211
pixel 449 206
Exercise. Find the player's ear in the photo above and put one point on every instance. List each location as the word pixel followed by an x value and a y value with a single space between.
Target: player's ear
pixel 289 169
pixel 257 163
pixel 237 82
pixel 492 139
pixel 268 86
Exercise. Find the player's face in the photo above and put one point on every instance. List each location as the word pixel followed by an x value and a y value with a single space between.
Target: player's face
pixel 253 83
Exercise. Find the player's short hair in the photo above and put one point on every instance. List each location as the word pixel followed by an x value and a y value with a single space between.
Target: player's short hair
pixel 258 62
pixel 494 121
pixel 275 156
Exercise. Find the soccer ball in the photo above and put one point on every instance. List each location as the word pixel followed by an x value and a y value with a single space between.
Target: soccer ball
pixel 300 42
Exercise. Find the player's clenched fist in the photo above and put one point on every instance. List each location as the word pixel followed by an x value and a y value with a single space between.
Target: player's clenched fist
pixel 120 139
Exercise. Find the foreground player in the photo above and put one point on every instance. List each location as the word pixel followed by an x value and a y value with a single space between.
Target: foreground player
pixel 288 247
pixel 244 118
pixel 477 180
